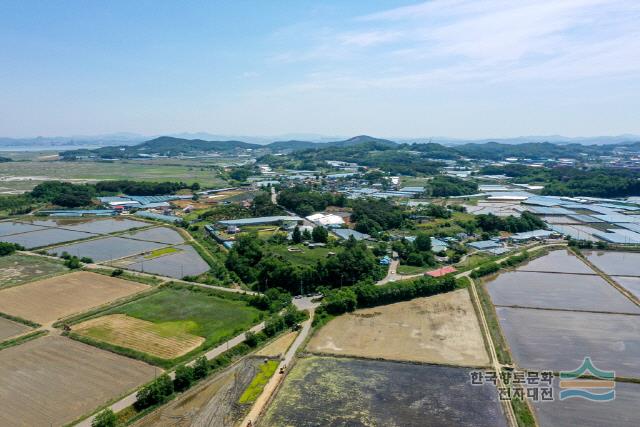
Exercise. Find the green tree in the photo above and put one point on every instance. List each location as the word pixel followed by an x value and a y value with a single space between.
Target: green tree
pixel 423 242
pixel 320 234
pixel 105 418
pixel 200 368
pixel 184 378
pixel 296 236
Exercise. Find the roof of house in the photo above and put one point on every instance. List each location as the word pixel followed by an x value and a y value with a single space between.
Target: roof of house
pixel 441 271
pixel 259 220
pixel 485 244
pixel 345 233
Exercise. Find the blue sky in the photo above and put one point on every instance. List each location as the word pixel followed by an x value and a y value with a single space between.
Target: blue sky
pixel 458 68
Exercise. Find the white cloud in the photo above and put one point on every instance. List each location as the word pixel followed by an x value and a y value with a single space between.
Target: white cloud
pixel 479 40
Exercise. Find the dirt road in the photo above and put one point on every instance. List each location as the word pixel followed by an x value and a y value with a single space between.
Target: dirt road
pixel 261 403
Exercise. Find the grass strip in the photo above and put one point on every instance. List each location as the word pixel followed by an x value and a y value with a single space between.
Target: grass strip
pixel 22 339
pixel 259 382
pixel 522 411
pixel 500 343
pixel 20 320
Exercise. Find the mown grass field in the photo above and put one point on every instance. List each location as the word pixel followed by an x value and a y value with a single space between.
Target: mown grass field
pixel 177 312
pixel 17 269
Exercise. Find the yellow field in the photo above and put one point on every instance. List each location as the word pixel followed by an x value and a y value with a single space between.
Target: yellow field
pixel 140 335
pixel 48 300
pixel 437 329
pixel 279 346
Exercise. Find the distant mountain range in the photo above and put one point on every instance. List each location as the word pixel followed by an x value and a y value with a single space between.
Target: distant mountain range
pixel 172 146
pixel 285 142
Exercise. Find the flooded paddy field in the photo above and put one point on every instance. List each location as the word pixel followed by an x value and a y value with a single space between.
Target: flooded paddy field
pixel 615 263
pixel 340 391
pixel 560 340
pixel 632 284
pixel 8 228
pixel 157 234
pixel 46 237
pixel 103 226
pixel 622 411
pixel 182 261
pixel 106 248
pixel 561 261
pixel 558 291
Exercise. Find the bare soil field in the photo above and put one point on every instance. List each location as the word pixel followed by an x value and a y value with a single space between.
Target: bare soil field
pixel 438 329
pixel 325 391
pixel 50 299
pixel 17 269
pixel 279 346
pixel 53 380
pixel 214 403
pixel 561 261
pixel 140 335
pixel 558 291
pixel 9 328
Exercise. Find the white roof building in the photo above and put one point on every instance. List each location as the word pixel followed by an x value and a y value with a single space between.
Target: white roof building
pixel 326 220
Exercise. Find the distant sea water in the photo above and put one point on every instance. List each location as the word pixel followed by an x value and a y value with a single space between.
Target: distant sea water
pixel 45 147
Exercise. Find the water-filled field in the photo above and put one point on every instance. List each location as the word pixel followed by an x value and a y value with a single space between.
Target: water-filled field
pixel 560 340
pixel 10 227
pixel 558 291
pixel 560 261
pixel 182 261
pixel 615 263
pixel 157 234
pixel 106 248
pixel 621 412
pixel 46 237
pixel 325 391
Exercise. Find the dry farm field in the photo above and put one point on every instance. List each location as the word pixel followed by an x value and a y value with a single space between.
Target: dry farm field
pixel 279 346
pixel 17 269
pixel 48 300
pixel 9 328
pixel 141 335
pixel 438 329
pixel 53 380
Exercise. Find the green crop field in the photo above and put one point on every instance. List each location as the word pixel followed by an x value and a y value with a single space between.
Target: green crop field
pixel 198 313
pixel 27 174
pixel 17 269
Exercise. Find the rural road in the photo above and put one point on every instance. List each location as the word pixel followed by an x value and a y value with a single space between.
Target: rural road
pixel 261 403
pixel 211 354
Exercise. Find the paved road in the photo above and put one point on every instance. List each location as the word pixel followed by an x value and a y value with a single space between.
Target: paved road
pixel 130 399
pixel 261 403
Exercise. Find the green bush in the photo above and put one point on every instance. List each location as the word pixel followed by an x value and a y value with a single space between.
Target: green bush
pixel 184 377
pixel 105 418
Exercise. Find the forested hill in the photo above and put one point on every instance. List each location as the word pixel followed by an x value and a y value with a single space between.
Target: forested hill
pixel 352 147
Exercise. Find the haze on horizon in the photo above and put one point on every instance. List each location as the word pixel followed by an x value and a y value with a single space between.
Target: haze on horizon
pixel 454 68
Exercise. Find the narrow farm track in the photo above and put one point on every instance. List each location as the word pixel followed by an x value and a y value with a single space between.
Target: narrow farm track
pixel 272 386
pixel 493 355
